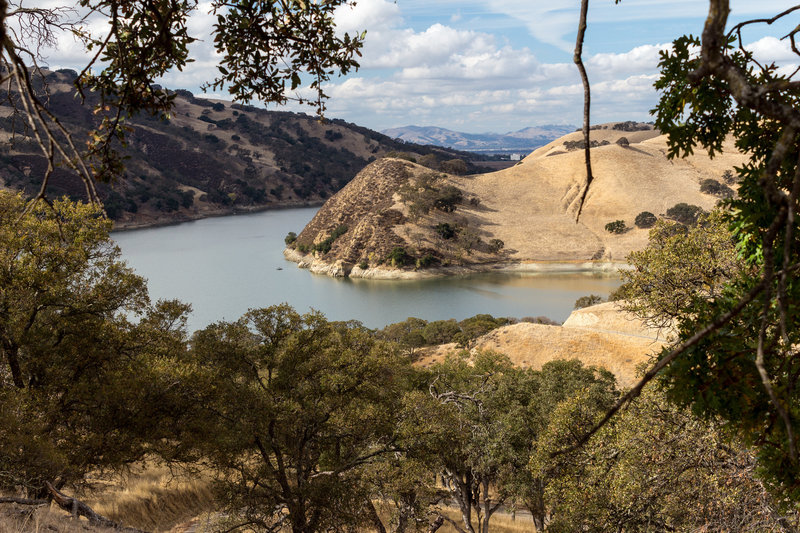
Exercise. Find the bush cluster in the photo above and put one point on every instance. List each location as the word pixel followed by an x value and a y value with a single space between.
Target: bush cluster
pixel 616 227
pixel 685 213
pixel 645 220
pixel 416 332
pixel 716 188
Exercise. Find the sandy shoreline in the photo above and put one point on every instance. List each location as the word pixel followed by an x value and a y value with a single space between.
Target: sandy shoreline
pixel 341 269
pixel 191 217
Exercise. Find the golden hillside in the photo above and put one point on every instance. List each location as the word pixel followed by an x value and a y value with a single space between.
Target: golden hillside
pixel 529 207
pixel 600 335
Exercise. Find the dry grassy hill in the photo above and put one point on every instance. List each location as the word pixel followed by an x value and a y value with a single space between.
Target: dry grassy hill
pixel 211 157
pixel 600 335
pixel 530 208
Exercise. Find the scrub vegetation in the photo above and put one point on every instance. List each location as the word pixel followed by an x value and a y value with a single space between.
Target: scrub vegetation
pixel 292 422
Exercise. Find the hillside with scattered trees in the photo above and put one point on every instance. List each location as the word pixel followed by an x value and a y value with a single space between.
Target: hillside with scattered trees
pixel 206 158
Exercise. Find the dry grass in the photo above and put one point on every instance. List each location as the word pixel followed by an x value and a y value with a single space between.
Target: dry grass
pixel 499 523
pixel 153 499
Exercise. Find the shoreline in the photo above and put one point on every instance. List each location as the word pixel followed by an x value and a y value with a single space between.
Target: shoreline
pixel 344 270
pixel 181 219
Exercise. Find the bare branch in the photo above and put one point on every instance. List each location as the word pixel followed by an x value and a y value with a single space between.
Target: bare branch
pixel 587 99
pixel 667 359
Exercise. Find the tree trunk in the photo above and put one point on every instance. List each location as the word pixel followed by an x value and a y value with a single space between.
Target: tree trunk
pixel 536 506
pixel 374 518
pixel 587 98
pixel 436 524
pixel 12 356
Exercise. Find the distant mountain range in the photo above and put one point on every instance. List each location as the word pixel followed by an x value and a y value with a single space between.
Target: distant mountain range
pixel 523 140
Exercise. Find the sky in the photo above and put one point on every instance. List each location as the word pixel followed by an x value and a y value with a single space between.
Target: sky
pixel 481 66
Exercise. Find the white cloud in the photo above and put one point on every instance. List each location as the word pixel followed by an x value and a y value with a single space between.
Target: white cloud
pixel 370 15
pixel 771 49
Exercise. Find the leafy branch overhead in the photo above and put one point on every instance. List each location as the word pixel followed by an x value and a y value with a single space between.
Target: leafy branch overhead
pixel 736 352
pixel 266 48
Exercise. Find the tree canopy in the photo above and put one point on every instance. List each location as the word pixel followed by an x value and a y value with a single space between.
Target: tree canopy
pixel 82 350
pixel 266 48
pixel 736 353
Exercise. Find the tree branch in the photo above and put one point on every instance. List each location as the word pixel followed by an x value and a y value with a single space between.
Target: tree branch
pixel 587 100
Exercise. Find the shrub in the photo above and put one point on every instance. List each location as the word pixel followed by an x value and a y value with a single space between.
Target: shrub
pixel 398 257
pixel 440 331
pixel 445 230
pixel 426 261
pixel 402 155
pixel 587 301
pixel 290 238
pixel 729 177
pixel 325 246
pixel 218 106
pixel 495 245
pixel 645 219
pixel 474 327
pixel 685 213
pixel 363 265
pixel 617 227
pixel 716 188
pixel 540 320
pixel 623 141
pixel 447 199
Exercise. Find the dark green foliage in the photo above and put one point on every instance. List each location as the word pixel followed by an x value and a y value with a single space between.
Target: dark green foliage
pixel 445 230
pixel 444 331
pixel 398 257
pixel 448 198
pixel 474 327
pixel 402 155
pixel 427 261
pixel 685 213
pixel 716 188
pixel 587 301
pixel 264 49
pixel 453 166
pixel 540 320
pixel 645 219
pixel 617 227
pixel 83 353
pixel 324 246
pixel 745 370
pixel 290 238
pixel 277 382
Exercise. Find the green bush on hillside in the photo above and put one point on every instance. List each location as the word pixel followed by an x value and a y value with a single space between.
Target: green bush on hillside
pixel 645 220
pixel 616 227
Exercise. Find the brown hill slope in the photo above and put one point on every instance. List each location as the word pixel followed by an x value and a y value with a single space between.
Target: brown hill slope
pixel 211 157
pixel 606 337
pixel 529 208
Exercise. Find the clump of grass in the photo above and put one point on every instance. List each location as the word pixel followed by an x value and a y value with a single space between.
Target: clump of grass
pixel 24 519
pixel 153 499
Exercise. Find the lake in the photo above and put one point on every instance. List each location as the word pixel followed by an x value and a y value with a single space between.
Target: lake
pixel 224 266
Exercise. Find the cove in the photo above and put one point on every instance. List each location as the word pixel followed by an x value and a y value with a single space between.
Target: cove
pixel 224 266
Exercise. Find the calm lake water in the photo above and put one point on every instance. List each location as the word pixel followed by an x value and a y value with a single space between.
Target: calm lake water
pixel 224 266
